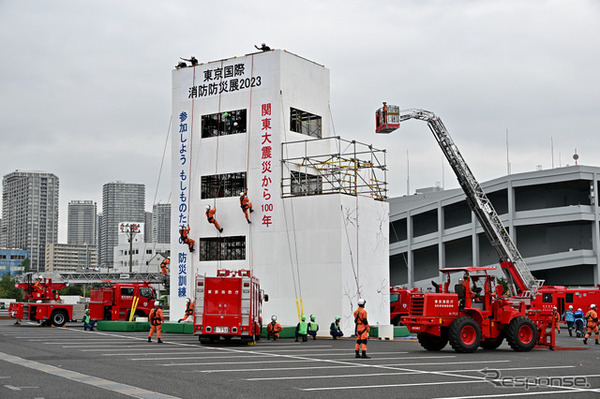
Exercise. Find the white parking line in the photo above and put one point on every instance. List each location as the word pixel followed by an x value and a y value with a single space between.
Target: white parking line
pixel 108 385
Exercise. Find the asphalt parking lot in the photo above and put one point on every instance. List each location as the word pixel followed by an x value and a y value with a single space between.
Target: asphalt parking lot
pixel 68 362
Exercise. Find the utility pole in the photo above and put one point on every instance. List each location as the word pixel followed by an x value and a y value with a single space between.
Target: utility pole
pixel 131 230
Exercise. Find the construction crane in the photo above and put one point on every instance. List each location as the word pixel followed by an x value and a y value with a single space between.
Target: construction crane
pixel 521 282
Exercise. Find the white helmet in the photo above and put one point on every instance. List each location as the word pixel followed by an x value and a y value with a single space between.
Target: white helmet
pixel 156 303
pixel 242 194
pixel 361 302
pixel 570 306
pixel 554 308
pixel 593 306
pixel 274 318
pixel 207 207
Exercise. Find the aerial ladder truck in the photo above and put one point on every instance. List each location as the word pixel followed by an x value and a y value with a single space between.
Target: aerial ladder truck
pixel 481 314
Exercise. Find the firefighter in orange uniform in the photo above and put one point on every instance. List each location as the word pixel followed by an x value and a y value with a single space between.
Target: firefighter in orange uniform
pixel 184 233
pixel 273 328
pixel 245 204
pixel 156 320
pixel 210 216
pixel 466 282
pixel 164 266
pixel 556 317
pixel 592 324
pixel 189 310
pixel 361 330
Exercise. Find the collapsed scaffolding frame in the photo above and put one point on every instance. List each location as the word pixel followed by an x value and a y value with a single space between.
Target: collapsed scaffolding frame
pixel 333 165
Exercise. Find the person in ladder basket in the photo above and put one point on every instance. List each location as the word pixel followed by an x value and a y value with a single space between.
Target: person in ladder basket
pixel 361 330
pixel 184 232
pixel 592 324
pixel 210 216
pixel 273 328
pixel 189 310
pixel 164 266
pixel 245 204
pixel 156 321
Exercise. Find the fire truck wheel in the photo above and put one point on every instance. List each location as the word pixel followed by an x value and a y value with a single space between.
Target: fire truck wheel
pixel 464 335
pixel 521 334
pixel 59 318
pixel 432 342
pixel 492 344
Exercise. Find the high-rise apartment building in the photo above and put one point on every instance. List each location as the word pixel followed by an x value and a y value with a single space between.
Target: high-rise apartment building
pixel 161 223
pixel 30 213
pixel 121 202
pixel 82 222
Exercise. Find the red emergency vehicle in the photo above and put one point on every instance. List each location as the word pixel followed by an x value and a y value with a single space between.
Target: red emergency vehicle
pixel 117 301
pixel 399 303
pixel 561 297
pixel 228 306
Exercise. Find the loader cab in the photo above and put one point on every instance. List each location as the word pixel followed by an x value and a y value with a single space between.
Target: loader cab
pixel 473 285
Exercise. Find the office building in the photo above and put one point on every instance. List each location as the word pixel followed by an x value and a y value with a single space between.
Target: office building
pixel 30 213
pixel 82 222
pixel 121 202
pixel 12 261
pixel 71 257
pixel 552 216
pixel 161 223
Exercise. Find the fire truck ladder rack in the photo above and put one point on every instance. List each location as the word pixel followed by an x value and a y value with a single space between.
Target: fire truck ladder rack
pixel 99 277
pixel 310 167
pixel 478 202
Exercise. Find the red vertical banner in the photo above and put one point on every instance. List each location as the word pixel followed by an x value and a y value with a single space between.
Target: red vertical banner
pixel 266 174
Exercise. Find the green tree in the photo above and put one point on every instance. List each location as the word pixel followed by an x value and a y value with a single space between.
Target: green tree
pixel 72 290
pixel 8 290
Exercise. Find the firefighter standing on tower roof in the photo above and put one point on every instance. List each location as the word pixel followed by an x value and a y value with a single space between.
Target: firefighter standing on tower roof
pixel 156 321
pixel 210 216
pixel 189 310
pixel 184 233
pixel 592 324
pixel 273 328
pixel 361 329
pixel 245 204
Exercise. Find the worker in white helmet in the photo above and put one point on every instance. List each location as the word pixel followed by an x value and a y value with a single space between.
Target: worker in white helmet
pixel 245 204
pixel 361 329
pixel 556 317
pixel 156 321
pixel 569 317
pixel 273 328
pixel 592 324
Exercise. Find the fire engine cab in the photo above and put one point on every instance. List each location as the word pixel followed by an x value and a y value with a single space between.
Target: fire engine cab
pixel 228 306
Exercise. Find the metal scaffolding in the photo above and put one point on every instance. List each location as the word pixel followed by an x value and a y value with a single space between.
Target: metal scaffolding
pixel 333 165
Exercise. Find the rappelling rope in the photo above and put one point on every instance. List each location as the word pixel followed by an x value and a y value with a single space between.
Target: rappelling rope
pixel 248 128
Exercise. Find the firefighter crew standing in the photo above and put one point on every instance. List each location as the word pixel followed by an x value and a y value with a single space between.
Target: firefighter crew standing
pixel 592 324
pixel 184 232
pixel 569 318
pixel 313 327
pixel 361 329
pixel 273 328
pixel 245 204
pixel 189 310
pixel 210 216
pixel 156 321
pixel 556 317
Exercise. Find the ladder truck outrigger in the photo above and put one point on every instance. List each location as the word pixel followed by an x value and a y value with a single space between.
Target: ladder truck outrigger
pixel 477 314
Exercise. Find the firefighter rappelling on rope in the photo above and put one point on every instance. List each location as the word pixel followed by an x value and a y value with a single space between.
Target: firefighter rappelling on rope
pixel 184 232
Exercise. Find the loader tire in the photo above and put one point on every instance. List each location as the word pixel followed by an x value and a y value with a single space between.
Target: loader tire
pixel 521 334
pixel 59 318
pixel 431 342
pixel 464 335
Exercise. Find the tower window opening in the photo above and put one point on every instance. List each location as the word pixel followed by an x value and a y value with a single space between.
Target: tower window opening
pixel 223 123
pixel 305 123
pixel 306 184
pixel 222 248
pixel 225 185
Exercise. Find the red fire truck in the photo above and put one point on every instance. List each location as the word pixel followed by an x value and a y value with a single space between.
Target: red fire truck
pixel 399 303
pixel 44 305
pixel 561 297
pixel 228 306
pixel 116 301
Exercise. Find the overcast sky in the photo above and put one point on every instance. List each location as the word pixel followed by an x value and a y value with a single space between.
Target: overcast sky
pixel 85 86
